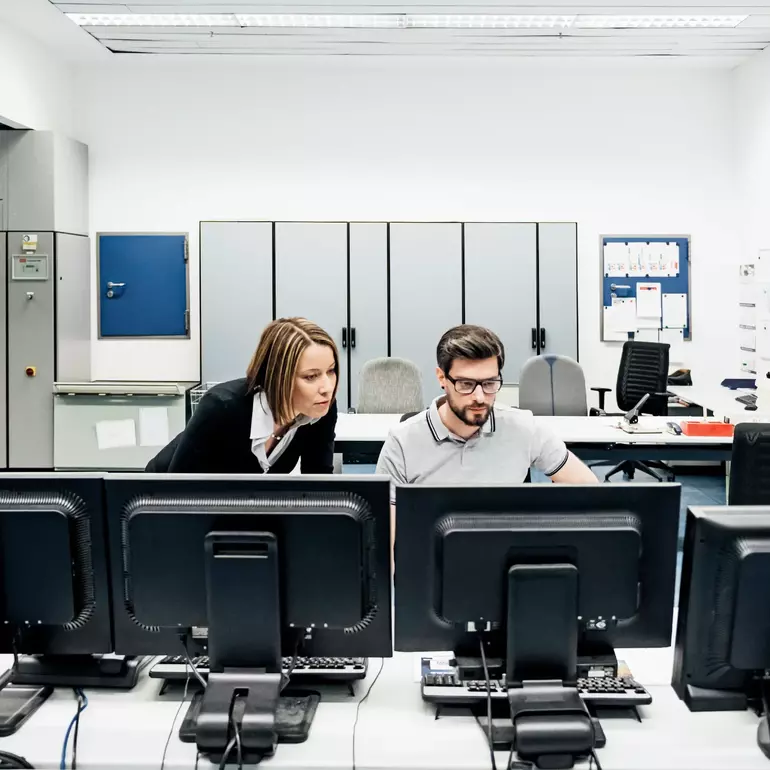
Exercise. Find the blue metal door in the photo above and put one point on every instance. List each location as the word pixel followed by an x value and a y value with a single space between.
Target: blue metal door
pixel 143 285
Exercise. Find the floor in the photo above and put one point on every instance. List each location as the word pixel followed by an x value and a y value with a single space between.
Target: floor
pixel 701 485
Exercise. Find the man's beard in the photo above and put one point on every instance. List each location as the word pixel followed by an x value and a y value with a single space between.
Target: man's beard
pixel 474 419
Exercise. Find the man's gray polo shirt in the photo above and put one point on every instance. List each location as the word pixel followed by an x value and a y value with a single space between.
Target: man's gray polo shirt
pixel 422 450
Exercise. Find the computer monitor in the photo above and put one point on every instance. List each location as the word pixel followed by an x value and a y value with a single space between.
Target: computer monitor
pixel 546 580
pixel 722 650
pixel 247 569
pixel 55 610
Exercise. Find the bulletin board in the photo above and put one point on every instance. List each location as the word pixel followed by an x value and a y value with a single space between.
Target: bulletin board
pixel 629 261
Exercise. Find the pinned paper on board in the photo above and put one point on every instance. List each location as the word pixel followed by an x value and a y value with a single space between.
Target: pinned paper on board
pixel 674 311
pixel 616 260
pixel 646 335
pixel 610 333
pixel 115 434
pixel 648 301
pixel 622 315
pixel 153 426
pixel 747 317
pixel 675 339
pixel 747 340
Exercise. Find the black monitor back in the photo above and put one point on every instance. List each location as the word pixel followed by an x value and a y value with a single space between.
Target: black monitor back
pixel 456 544
pixel 333 536
pixel 54 584
pixel 723 630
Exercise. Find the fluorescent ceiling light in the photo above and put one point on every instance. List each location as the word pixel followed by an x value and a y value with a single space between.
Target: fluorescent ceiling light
pixel 657 22
pixel 399 21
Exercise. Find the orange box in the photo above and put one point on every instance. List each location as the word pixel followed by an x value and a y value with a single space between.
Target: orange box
pixel 700 428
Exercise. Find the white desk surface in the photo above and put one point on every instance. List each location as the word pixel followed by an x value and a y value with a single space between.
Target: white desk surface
pixel 600 430
pixel 721 401
pixel 396 730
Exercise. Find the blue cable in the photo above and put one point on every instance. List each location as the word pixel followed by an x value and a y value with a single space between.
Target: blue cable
pixel 81 709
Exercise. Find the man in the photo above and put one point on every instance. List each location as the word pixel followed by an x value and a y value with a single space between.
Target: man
pixel 463 438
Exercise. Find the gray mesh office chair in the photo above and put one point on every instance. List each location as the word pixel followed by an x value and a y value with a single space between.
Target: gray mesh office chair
pixel 389 386
pixel 553 385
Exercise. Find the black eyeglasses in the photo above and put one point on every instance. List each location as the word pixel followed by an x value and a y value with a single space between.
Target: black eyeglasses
pixel 465 387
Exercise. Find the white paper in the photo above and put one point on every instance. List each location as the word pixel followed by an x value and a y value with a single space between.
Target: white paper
pixel 747 340
pixel 674 311
pixel 609 333
pixel 115 434
pixel 648 300
pixel 616 260
pixel 670 257
pixel 747 317
pixel 622 315
pixel 153 426
pixel 674 338
pixel 636 259
pixel 646 335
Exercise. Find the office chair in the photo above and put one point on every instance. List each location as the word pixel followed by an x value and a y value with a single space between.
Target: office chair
pixel 553 385
pixel 643 369
pixel 389 386
pixel 750 468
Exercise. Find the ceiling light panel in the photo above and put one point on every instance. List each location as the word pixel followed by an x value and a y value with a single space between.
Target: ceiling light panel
pixel 154 19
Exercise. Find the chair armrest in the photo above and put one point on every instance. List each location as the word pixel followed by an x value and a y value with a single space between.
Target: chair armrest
pixel 602 395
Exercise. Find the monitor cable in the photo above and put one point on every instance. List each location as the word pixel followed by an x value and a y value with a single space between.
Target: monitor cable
pixel 489 704
pixel 361 703
pixel 198 676
pixel 176 716
pixel 74 723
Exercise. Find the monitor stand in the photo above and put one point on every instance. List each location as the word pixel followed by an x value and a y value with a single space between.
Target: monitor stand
pixel 551 724
pixel 244 622
pixel 109 671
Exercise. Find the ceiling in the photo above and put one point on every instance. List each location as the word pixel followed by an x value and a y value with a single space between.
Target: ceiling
pixel 727 33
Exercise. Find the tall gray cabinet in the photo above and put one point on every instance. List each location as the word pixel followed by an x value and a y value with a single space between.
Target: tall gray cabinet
pixel 387 289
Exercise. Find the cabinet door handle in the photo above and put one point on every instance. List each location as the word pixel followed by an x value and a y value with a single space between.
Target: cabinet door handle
pixel 352 336
pixel 344 336
pixel 534 338
pixel 542 338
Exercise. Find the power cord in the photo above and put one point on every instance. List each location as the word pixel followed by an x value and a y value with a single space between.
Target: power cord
pixel 190 663
pixel 358 708
pixel 82 706
pixel 176 716
pixel 489 704
pixel 10 761
pixel 595 760
pixel 285 677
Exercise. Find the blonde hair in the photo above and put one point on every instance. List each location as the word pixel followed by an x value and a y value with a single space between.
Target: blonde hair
pixel 273 366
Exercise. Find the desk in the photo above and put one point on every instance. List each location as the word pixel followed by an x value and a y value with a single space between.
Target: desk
pixel 591 438
pixel 721 401
pixel 396 730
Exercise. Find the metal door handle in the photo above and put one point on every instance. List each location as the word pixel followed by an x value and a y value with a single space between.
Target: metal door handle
pixel 352 336
pixel 534 338
pixel 111 285
pixel 542 338
pixel 344 336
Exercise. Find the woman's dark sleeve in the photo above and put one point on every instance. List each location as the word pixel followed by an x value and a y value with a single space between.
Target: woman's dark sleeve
pixel 318 450
pixel 202 447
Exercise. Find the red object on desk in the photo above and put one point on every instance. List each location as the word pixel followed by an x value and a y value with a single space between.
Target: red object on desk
pixel 700 428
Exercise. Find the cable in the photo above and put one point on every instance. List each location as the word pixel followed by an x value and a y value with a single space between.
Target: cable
pixel 285 677
pixel 81 696
pixel 489 704
pixel 10 761
pixel 176 716
pixel 237 731
pixel 190 663
pixel 76 718
pixel 358 708
pixel 226 755
pixel 596 759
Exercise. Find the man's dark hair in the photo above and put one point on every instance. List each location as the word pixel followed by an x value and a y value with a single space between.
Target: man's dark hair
pixel 474 343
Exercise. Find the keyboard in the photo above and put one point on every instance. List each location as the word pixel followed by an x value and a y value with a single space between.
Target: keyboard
pixel 173 667
pixel 606 691
pixel 750 399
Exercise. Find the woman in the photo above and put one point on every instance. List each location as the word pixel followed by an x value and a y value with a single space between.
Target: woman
pixel 283 411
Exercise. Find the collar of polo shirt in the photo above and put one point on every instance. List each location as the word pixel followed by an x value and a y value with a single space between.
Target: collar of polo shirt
pixel 440 431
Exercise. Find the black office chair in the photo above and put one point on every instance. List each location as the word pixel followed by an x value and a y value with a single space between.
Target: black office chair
pixel 750 468
pixel 643 370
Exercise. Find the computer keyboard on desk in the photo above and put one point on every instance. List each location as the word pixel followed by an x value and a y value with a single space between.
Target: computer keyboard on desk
pixel 337 669
pixel 750 399
pixel 605 691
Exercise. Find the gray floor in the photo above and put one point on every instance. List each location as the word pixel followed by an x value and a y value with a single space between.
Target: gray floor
pixel 704 487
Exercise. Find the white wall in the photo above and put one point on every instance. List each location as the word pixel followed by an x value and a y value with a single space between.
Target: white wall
pixel 620 148
pixel 36 85
pixel 752 152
